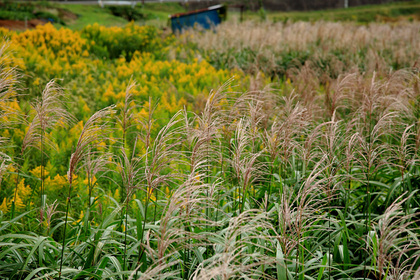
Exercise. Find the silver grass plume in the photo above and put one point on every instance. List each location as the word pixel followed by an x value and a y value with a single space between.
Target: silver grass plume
pixel 241 249
pixel 184 211
pixel 127 119
pixel 49 112
pixel 394 242
pixel 95 130
pixel 162 153
pixel 280 140
pixel 246 165
pixel 299 212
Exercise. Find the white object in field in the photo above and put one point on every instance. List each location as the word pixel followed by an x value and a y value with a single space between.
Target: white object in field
pixel 131 3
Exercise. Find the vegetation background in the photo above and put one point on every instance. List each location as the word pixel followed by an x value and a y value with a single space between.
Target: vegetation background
pixel 282 147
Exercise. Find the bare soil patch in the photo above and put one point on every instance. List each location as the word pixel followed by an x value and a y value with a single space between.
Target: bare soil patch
pixel 20 25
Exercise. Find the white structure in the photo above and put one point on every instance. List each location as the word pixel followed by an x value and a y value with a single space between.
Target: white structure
pixel 102 3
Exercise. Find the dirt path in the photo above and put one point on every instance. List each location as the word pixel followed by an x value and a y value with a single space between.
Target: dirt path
pixel 20 25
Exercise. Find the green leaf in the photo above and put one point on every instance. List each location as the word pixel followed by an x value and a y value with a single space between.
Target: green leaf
pixel 323 266
pixel 281 265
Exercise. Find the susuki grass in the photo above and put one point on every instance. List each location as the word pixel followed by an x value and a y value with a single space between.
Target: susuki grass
pixel 314 179
pixel 328 48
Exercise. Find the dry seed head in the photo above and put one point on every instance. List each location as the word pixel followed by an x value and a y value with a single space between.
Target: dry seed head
pixel 95 131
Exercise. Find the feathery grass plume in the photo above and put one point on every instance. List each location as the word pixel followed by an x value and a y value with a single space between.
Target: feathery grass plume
pixel 129 169
pixel 196 141
pixel 308 151
pixel 282 138
pixel 394 243
pixel 243 249
pixel 5 162
pixel 350 151
pixel 246 166
pixel 267 101
pixel 203 145
pixel 305 81
pixel 205 139
pixel 372 149
pixel 96 165
pixel 263 101
pixel 338 94
pixel 372 100
pixel 403 156
pixel 299 215
pixel 126 119
pixel 255 118
pixel 163 154
pixel 205 151
pixel 95 130
pixel 371 156
pixel 181 230
pixel 213 129
pixel 331 144
pixel 145 135
pixel 209 122
pixel 50 211
pixel 50 112
pixel 257 107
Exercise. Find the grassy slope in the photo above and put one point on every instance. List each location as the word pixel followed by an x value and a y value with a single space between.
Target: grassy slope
pixel 89 14
pixel 368 13
pixel 157 14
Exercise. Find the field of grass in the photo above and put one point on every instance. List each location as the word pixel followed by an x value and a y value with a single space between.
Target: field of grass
pixel 259 150
pixel 154 14
pixel 408 10
pixel 90 14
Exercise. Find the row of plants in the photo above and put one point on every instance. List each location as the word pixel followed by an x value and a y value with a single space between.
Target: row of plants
pixel 332 48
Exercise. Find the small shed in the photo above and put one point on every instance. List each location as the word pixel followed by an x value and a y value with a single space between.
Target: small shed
pixel 206 18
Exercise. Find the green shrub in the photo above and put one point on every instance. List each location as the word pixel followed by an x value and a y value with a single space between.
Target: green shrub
pixel 12 15
pixel 127 12
pixel 115 42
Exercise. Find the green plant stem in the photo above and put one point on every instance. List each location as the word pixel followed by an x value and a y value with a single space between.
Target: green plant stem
pixel 125 236
pixel 12 212
pixel 141 250
pixel 64 232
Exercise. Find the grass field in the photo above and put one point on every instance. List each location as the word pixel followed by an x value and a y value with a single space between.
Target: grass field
pixel 259 150
pixel 409 10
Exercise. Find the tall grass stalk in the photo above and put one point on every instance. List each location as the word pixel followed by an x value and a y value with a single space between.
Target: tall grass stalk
pixel 159 155
pixel 50 112
pixel 94 132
